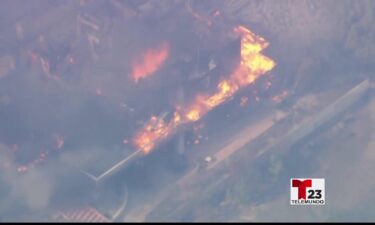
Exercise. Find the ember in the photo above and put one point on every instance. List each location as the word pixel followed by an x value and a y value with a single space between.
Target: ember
pixel 278 98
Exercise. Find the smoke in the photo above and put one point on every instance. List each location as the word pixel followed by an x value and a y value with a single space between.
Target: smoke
pixel 31 191
pixel 41 190
pixel 85 93
pixel 35 188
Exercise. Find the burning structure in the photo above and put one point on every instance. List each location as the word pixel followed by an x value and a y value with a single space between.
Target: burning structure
pixel 203 76
pixel 131 92
pixel 252 65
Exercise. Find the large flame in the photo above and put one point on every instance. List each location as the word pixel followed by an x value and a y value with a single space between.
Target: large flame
pixel 253 64
pixel 150 62
pixel 156 129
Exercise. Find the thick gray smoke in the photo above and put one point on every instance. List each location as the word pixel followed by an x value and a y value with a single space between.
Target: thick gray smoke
pixel 67 96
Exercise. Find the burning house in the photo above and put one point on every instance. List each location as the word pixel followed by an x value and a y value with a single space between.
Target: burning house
pixel 113 92
pixel 196 66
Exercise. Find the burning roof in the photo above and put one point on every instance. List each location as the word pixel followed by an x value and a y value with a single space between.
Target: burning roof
pixel 94 104
pixel 252 65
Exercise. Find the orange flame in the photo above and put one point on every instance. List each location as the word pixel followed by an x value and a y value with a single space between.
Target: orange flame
pixel 156 129
pixel 43 156
pixel 278 98
pixel 253 64
pixel 150 62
